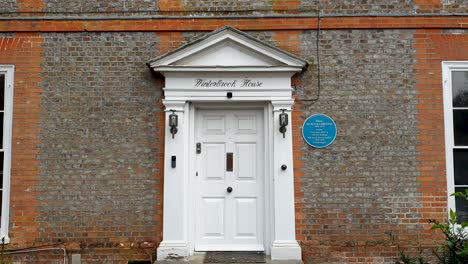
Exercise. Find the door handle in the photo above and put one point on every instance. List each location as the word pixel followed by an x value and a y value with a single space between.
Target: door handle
pixel 229 189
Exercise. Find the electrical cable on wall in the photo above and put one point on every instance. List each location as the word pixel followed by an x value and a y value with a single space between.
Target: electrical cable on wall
pixel 319 85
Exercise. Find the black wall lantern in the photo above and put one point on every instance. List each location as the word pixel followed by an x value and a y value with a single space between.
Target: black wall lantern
pixel 173 122
pixel 283 122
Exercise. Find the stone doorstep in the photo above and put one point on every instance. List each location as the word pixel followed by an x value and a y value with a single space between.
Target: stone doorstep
pixel 197 258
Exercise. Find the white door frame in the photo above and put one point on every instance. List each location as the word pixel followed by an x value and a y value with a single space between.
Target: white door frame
pixel 266 178
pixel 178 221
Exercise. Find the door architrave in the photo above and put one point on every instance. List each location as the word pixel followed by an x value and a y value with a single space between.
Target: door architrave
pixel 228 67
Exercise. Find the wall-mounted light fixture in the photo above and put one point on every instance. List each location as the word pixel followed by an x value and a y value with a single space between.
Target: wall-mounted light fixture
pixel 173 122
pixel 283 122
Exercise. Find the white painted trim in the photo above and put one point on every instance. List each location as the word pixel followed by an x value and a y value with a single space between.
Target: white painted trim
pixel 247 247
pixel 286 250
pixel 279 204
pixel 285 246
pixel 268 183
pixel 211 90
pixel 226 69
pixel 447 68
pixel 7 136
pixel 173 250
pixel 220 36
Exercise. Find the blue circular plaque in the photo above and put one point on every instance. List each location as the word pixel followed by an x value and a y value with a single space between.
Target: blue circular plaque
pixel 319 131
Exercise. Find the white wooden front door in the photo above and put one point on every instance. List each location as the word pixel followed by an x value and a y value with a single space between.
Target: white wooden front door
pixel 229 219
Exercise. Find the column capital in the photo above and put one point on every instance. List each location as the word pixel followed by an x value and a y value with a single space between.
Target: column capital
pixel 278 105
pixel 174 105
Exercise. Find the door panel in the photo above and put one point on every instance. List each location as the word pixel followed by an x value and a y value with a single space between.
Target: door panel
pixel 246 164
pixel 213 222
pixel 213 124
pixel 246 212
pixel 245 124
pixel 229 220
pixel 214 165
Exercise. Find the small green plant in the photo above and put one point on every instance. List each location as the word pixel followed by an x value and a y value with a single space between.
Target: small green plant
pixel 455 248
pixel 407 259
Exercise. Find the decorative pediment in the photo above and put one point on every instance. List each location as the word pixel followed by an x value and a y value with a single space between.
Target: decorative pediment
pixel 228 50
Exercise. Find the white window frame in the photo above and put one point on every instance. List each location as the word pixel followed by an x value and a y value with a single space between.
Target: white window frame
pixel 8 70
pixel 447 68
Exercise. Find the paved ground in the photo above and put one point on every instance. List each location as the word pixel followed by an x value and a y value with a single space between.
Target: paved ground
pixel 198 259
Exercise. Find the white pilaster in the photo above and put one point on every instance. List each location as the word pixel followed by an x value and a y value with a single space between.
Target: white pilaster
pixel 175 242
pixel 284 246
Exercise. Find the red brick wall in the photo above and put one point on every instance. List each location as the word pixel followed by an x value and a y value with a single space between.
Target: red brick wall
pixel 24 51
pixel 30 6
pixel 433 47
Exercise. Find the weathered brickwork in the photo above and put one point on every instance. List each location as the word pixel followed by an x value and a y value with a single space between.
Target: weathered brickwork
pixel 366 183
pixel 187 7
pixel 91 6
pixel 100 157
pixel 8 6
pixel 442 6
pixel 455 6
pixel 360 6
pixel 224 6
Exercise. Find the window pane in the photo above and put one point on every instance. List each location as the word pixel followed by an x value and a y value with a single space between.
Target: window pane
pixel 1 169
pixel 461 206
pixel 460 127
pixel 2 91
pixel 460 88
pixel 1 204
pixel 460 165
pixel 1 130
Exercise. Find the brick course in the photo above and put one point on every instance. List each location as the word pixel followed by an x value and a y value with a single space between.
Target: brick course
pixel 209 24
pixel 186 7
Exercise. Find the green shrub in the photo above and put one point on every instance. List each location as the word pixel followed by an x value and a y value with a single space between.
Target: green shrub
pixel 455 247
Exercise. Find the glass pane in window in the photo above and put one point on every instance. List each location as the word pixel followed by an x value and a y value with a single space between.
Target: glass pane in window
pixel 2 91
pixel 460 165
pixel 1 204
pixel 460 127
pixel 1 169
pixel 1 130
pixel 461 206
pixel 1 162
pixel 460 88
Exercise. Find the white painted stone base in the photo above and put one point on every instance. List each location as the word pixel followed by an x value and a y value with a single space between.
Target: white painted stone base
pixel 286 250
pixel 168 250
